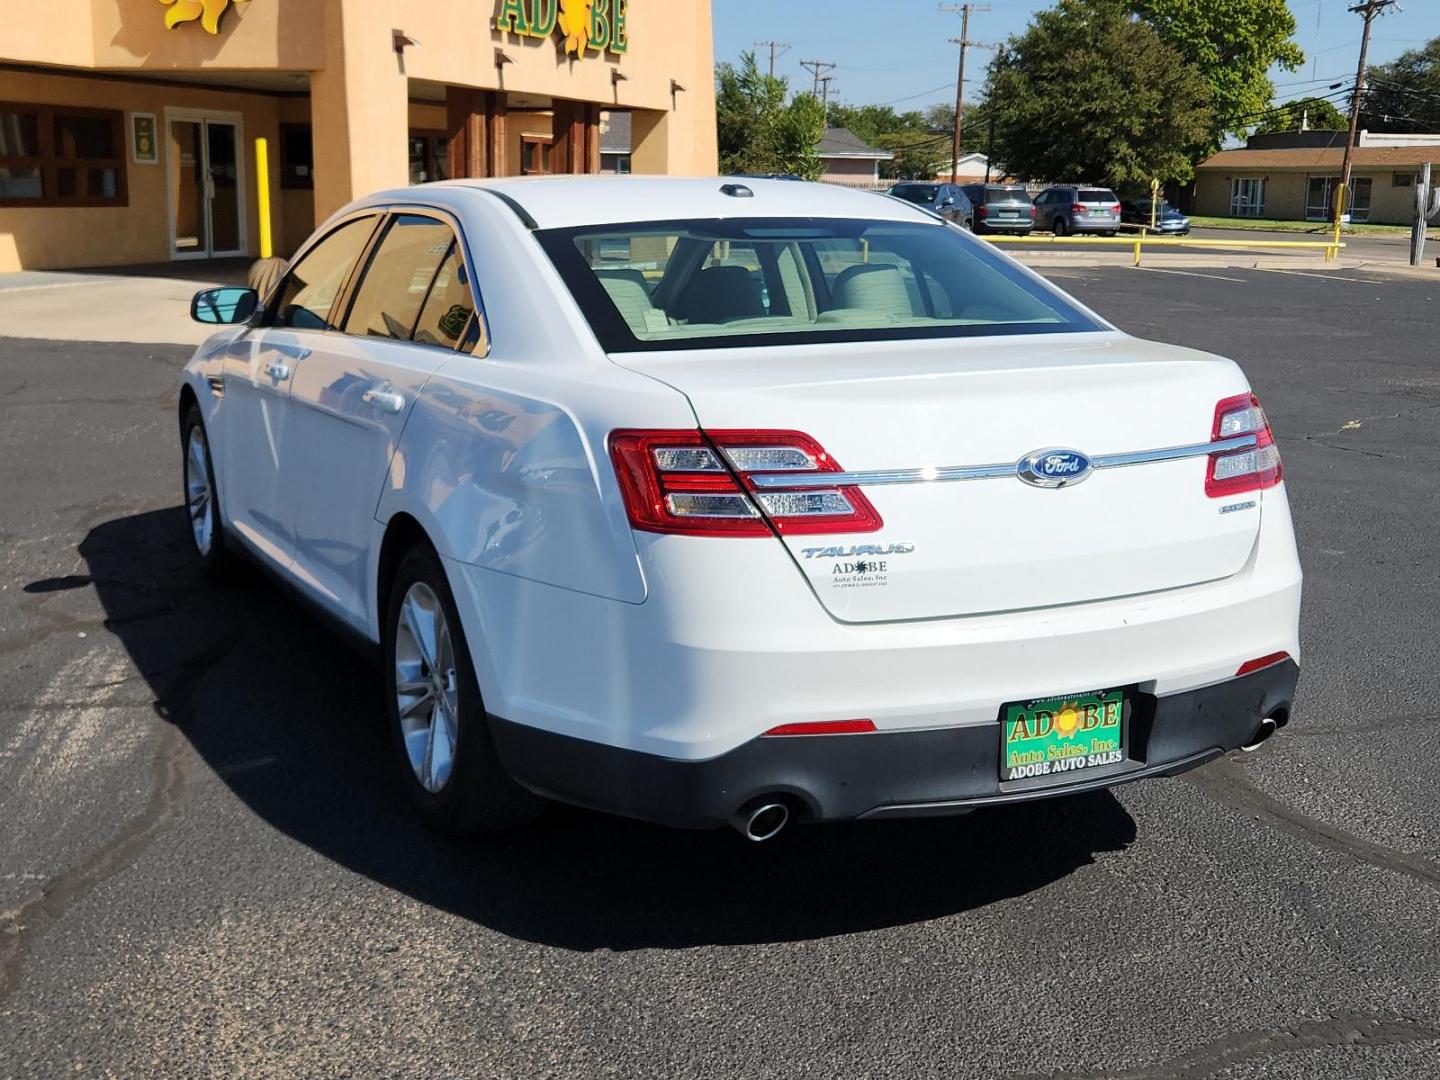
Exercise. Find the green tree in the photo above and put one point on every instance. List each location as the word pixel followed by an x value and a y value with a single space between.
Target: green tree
pixel 759 130
pixel 1087 93
pixel 1317 113
pixel 1234 44
pixel 1404 95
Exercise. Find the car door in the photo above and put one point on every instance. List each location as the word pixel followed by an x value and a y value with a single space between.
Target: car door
pixel 255 430
pixel 405 313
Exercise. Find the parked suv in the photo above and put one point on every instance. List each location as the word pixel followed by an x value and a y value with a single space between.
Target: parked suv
pixel 1066 210
pixel 1001 208
pixel 947 200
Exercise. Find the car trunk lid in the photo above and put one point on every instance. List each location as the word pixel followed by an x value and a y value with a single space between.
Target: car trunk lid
pixel 964 547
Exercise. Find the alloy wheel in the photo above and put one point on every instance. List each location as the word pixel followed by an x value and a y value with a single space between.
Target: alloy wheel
pixel 199 493
pixel 426 688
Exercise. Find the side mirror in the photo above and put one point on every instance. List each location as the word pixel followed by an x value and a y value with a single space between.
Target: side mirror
pixel 224 306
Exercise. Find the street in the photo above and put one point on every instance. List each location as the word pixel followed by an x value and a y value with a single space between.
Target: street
pixel 207 865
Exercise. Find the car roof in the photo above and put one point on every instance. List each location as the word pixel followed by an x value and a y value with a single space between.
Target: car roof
pixel 559 202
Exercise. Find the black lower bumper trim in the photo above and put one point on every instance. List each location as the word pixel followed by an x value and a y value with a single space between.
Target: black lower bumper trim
pixel 885 774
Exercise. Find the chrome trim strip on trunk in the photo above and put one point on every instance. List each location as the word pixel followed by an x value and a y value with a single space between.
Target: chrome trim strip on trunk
pixel 773 482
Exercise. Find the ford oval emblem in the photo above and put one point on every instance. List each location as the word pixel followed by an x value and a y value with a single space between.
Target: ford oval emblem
pixel 1055 468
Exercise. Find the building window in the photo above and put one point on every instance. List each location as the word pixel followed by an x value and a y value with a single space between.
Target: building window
pixel 1247 197
pixel 615 163
pixel 61 157
pixel 297 156
pixel 535 155
pixel 429 157
pixel 1402 179
pixel 1320 194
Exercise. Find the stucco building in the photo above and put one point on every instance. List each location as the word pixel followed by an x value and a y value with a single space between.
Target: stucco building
pixel 128 127
pixel 1295 176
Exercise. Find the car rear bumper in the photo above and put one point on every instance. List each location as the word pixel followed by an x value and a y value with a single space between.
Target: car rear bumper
pixel 883 774
pixel 1003 226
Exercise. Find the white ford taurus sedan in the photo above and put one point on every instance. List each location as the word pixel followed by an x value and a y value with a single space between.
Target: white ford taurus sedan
pixel 744 501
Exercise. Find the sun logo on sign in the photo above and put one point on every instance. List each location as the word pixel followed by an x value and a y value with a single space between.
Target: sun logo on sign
pixel 1067 720
pixel 208 12
pixel 575 24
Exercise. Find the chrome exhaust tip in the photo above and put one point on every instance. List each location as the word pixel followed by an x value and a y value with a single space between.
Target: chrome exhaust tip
pixel 764 822
pixel 1267 728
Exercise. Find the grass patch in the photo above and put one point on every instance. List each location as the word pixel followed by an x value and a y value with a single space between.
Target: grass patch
pixel 1318 228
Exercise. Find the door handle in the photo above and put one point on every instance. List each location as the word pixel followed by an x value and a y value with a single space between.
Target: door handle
pixel 383 400
pixel 277 370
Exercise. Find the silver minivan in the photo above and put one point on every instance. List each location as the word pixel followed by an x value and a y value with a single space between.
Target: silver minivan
pixel 1001 208
pixel 1065 210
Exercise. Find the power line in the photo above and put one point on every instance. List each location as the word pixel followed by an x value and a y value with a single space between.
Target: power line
pixel 965 43
pixel 783 46
pixel 1368 10
pixel 818 68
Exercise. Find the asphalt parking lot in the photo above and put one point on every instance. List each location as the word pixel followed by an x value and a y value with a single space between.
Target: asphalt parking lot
pixel 206 866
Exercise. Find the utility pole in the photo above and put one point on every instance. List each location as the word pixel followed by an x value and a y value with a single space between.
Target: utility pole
pixel 964 42
pixel 782 46
pixel 1367 9
pixel 817 68
pixel 825 97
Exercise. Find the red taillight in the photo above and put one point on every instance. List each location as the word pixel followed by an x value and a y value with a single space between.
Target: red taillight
pixel 825 727
pixel 1033 212
pixel 982 211
pixel 1079 208
pixel 1115 209
pixel 1234 472
pixel 1260 662
pixel 702 484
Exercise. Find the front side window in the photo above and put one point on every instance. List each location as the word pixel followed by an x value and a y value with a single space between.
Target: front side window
pixel 716 283
pixel 398 278
pixel 307 294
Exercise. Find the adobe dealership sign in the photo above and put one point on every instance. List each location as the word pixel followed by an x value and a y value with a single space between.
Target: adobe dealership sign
pixel 598 25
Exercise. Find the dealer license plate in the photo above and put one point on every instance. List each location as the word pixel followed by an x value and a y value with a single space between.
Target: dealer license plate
pixel 1059 737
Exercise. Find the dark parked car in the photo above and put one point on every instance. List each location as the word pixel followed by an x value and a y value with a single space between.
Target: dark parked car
pixel 947 200
pixel 1066 209
pixel 1001 208
pixel 1168 220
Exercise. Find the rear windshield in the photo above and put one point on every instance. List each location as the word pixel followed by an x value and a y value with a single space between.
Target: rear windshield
pixel 1097 195
pixel 916 193
pixel 1009 194
pixel 717 283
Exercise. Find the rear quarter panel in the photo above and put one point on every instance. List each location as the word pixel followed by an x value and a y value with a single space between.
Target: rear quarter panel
pixel 504 460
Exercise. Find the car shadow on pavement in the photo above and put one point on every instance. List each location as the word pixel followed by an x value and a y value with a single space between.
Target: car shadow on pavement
pixel 289 717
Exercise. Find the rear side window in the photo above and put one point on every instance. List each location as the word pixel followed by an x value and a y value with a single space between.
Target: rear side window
pixel 450 306
pixel 1102 195
pixel 308 292
pixel 398 278
pixel 715 283
pixel 916 193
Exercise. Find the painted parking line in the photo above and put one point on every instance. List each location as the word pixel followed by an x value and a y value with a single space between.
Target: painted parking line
pixel 1322 277
pixel 6 290
pixel 1188 273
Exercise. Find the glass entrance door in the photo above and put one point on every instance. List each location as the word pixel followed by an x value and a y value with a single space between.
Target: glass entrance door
pixel 205 188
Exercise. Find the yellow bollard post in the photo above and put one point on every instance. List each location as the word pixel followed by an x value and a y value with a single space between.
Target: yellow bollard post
pixel 1334 252
pixel 1137 252
pixel 262 197
pixel 1154 202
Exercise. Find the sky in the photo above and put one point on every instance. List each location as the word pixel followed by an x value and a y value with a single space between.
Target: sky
pixel 897 51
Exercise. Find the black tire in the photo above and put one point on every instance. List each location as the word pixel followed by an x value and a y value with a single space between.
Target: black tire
pixel 478 796
pixel 216 560
pixel 1059 227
